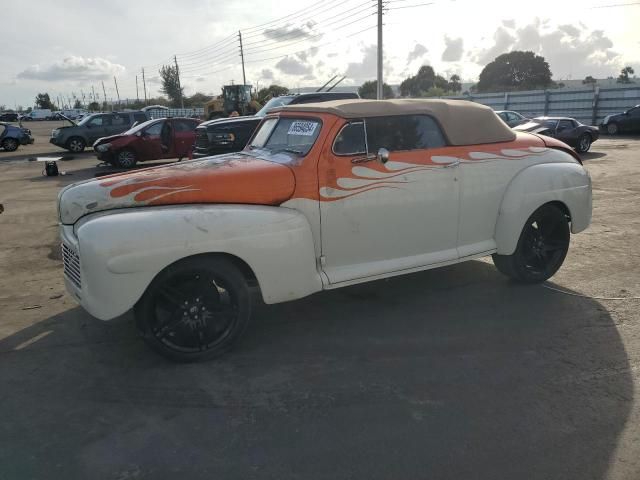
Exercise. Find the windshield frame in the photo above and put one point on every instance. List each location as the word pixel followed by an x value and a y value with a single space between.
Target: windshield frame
pixel 268 153
pixel 140 126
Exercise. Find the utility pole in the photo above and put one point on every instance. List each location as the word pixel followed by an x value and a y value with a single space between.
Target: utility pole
pixel 117 92
pixel 137 94
pixel 179 86
pixel 144 86
pixel 244 78
pixel 380 81
pixel 94 93
pixel 104 95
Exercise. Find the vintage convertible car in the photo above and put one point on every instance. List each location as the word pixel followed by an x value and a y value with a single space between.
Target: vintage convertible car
pixel 323 196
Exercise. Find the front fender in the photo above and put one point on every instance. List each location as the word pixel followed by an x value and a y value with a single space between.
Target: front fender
pixel 567 183
pixel 122 251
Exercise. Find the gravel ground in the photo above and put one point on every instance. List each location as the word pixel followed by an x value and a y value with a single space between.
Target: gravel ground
pixel 453 373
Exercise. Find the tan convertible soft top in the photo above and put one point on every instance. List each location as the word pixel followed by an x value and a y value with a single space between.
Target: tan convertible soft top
pixel 464 122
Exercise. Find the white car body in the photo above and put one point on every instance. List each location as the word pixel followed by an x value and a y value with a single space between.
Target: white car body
pixel 366 223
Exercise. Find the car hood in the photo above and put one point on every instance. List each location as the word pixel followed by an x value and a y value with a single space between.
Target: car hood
pixel 111 138
pixel 232 178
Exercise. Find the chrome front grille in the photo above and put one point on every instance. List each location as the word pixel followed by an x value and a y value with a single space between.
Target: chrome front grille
pixel 71 262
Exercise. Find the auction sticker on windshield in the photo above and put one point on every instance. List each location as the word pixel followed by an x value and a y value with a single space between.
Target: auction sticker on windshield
pixel 304 128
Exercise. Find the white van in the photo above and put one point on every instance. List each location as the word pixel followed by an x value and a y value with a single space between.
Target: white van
pixel 38 114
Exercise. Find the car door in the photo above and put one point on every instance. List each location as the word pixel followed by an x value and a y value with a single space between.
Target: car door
pixel 379 218
pixel 149 145
pixel 184 136
pixel 565 131
pixel 97 128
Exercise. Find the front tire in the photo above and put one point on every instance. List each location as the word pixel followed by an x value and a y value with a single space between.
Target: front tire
pixel 541 249
pixel 10 144
pixel 195 309
pixel 584 143
pixel 126 159
pixel 76 145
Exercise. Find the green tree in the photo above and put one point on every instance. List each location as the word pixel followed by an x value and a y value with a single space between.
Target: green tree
pixel 94 106
pixel 171 84
pixel 419 84
pixel 515 70
pixel 43 101
pixel 369 89
pixel 78 104
pixel 589 80
pixel 455 85
pixel 196 100
pixel 267 93
pixel 624 75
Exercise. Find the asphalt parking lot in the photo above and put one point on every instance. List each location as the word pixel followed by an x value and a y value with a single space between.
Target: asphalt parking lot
pixel 453 373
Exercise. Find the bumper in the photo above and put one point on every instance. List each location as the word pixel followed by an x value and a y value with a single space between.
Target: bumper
pixel 26 140
pixel 56 141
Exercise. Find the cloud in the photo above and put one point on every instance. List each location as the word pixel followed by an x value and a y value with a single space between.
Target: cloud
pixel 366 69
pixel 418 52
pixel 293 66
pixel 73 68
pixel 201 79
pixel 309 77
pixel 156 80
pixel 453 49
pixel 289 32
pixel 570 50
pixel 267 74
pixel 509 23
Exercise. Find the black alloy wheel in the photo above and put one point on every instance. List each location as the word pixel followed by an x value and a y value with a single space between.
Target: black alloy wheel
pixel 195 309
pixel 584 143
pixel 541 249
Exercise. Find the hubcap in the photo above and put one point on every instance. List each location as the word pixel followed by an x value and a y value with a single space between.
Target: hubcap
pixel 584 143
pixel 11 144
pixel 612 128
pixel 76 145
pixel 194 313
pixel 126 158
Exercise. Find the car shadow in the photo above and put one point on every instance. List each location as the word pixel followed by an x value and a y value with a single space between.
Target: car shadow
pixel 592 155
pixel 450 373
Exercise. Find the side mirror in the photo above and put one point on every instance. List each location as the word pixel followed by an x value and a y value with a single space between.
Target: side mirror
pixel 139 133
pixel 382 156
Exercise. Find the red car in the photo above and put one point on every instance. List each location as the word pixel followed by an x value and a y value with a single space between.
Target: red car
pixel 151 140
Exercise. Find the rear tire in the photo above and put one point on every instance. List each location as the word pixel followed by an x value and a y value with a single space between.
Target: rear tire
pixel 76 144
pixel 10 144
pixel 584 143
pixel 541 249
pixel 196 309
pixel 125 159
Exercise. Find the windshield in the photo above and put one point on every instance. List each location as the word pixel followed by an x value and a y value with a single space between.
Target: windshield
pixel 273 103
pixel 139 127
pixel 294 136
pixel 85 120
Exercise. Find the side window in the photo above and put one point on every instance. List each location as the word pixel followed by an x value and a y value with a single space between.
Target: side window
pixel 106 120
pixel 403 132
pixel 184 126
pixel 350 140
pixel 97 121
pixel 119 120
pixel 634 112
pixel 155 129
pixel 139 117
pixel 565 125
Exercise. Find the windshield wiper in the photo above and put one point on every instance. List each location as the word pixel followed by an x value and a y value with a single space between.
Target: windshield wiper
pixel 290 150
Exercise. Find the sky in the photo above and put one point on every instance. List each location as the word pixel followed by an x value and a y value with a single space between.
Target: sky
pixel 72 47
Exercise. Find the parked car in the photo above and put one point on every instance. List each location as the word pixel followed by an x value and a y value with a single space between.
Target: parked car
pixel 626 122
pixel 511 118
pixel 150 140
pixel 11 137
pixel 568 130
pixel 37 114
pixel 323 196
pixel 76 137
pixel 8 117
pixel 224 135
